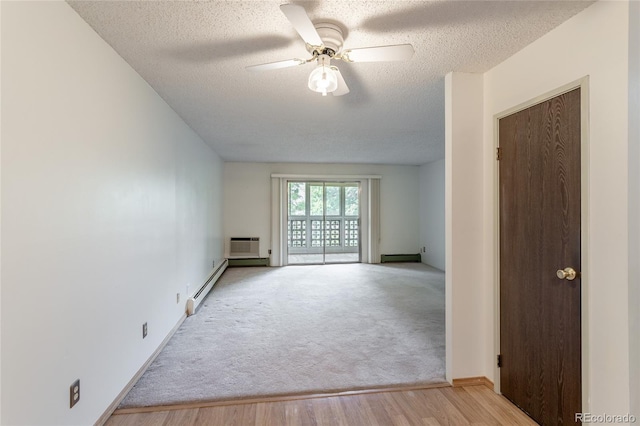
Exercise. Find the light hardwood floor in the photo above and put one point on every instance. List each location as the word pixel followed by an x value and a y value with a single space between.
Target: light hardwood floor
pixel 464 405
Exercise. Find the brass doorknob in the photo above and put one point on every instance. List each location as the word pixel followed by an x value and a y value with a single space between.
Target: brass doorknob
pixel 567 274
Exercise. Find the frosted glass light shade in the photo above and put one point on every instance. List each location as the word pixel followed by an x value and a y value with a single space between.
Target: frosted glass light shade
pixel 323 80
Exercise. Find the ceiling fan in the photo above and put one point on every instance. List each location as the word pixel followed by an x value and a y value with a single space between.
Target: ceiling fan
pixel 324 42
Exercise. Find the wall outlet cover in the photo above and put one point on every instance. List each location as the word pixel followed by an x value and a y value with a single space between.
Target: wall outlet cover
pixel 144 330
pixel 74 393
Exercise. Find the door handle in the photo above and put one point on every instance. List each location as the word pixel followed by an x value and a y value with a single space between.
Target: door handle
pixel 568 274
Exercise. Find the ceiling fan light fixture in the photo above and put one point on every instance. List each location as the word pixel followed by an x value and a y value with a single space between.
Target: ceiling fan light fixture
pixel 324 41
pixel 323 79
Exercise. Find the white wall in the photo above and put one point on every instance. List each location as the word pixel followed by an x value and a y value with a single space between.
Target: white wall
pixel 634 205
pixel 110 206
pixel 431 214
pixel 247 201
pixel 566 54
pixel 463 228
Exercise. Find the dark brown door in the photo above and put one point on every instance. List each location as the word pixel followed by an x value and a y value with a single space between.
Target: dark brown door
pixel 540 343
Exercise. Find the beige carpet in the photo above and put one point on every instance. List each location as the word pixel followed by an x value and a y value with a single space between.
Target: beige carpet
pixel 303 329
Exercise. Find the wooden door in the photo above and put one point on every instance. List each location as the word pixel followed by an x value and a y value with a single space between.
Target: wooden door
pixel 540 344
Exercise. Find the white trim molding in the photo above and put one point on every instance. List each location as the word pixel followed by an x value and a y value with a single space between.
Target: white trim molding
pixel 583 85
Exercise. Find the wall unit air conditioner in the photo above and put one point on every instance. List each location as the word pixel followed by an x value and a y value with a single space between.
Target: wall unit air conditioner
pixel 244 248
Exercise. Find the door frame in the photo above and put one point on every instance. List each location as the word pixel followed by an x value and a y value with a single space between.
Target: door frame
pixel 342 184
pixel 369 213
pixel 583 85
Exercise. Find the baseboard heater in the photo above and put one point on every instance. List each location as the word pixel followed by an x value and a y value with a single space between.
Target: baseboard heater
pixel 388 258
pixel 194 301
pixel 258 261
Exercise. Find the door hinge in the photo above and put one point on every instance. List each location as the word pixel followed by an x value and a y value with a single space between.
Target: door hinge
pixel 499 360
pixel 498 153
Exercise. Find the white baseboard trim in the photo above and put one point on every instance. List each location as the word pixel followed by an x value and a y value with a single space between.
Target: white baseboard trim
pixel 116 402
pixel 473 381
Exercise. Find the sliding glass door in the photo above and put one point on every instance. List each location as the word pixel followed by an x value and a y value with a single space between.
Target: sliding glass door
pixel 323 222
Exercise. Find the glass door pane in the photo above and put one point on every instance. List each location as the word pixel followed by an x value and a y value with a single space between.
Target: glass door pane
pixel 351 201
pixel 344 225
pixel 316 199
pixel 323 222
pixel 332 201
pixel 296 217
pixel 315 251
pixel 351 242
pixel 297 198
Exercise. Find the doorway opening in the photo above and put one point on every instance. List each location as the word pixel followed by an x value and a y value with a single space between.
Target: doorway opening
pixel 323 222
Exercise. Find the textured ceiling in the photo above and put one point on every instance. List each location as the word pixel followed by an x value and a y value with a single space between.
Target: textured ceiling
pixel 194 54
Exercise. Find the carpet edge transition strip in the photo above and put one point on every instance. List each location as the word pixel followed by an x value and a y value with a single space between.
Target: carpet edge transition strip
pixel 281 398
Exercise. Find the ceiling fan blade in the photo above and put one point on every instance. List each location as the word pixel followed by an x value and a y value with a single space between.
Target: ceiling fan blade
pixel 301 22
pixel 399 52
pixel 276 65
pixel 342 89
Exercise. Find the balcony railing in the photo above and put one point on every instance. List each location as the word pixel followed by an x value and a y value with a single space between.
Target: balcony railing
pixel 312 234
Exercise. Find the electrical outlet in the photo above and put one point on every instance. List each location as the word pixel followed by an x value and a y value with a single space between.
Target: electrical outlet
pixel 269 251
pixel 177 297
pixel 74 393
pixel 144 330
pixel 424 249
